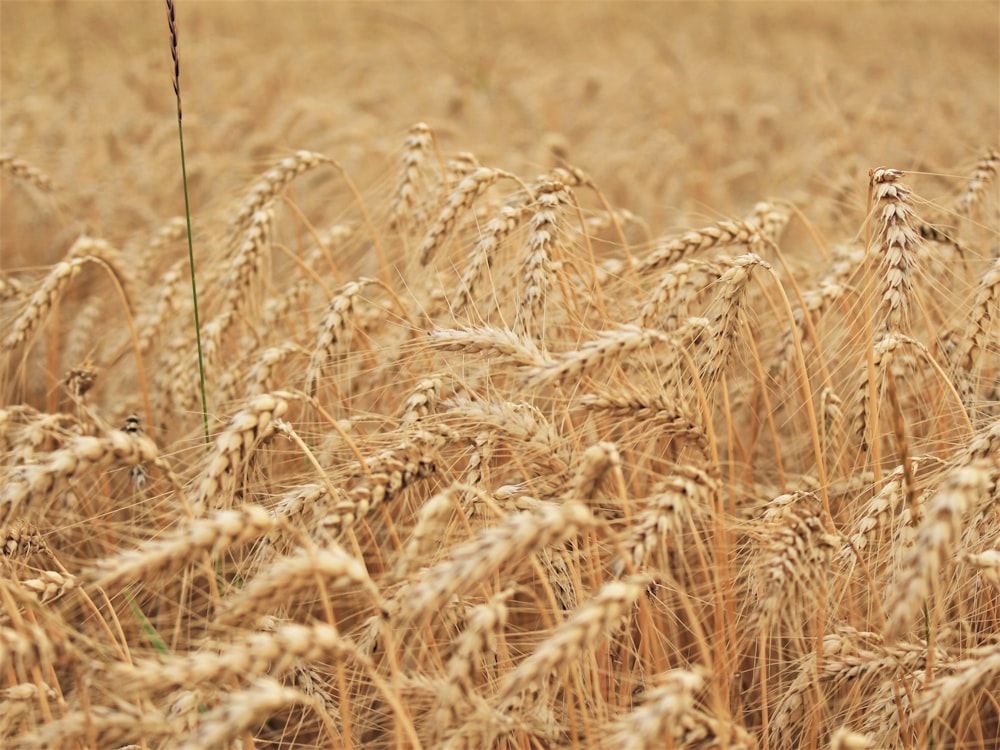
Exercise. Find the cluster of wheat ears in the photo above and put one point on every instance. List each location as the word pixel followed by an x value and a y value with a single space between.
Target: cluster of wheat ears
pixel 488 465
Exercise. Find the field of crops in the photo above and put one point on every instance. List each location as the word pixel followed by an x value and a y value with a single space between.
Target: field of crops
pixel 562 375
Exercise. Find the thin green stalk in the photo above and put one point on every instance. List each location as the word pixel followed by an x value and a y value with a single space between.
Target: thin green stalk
pixel 154 637
pixel 171 21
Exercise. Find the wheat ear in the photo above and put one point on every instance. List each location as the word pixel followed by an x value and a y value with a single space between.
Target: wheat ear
pixel 22 170
pixel 582 630
pixel 936 542
pixel 659 713
pixel 896 245
pixel 980 179
pixel 214 534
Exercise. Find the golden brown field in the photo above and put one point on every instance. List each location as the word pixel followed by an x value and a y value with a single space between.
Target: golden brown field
pixel 578 375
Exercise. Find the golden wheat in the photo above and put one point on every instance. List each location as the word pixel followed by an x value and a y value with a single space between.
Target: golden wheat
pixel 597 409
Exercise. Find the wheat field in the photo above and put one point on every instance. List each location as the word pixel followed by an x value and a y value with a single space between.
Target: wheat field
pixel 576 375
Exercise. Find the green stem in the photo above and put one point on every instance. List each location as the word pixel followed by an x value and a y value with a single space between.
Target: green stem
pixel 194 285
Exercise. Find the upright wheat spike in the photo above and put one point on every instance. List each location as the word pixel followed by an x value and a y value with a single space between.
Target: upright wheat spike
pixel 245 265
pixel 896 245
pixel 333 329
pixel 729 301
pixel 404 206
pixel 977 336
pixel 484 253
pixel 537 267
pixel 479 639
